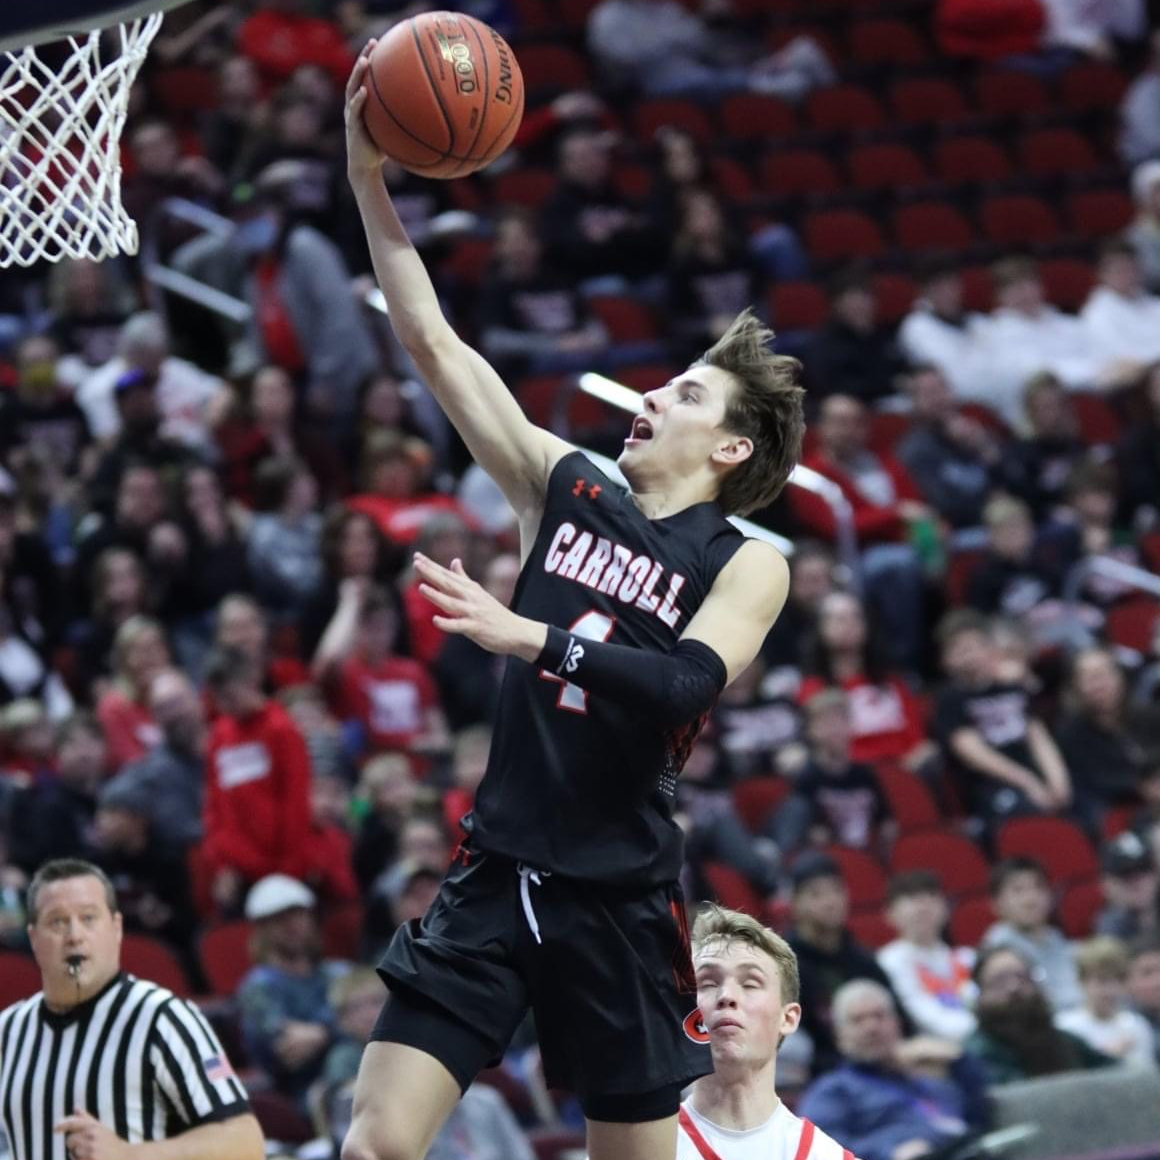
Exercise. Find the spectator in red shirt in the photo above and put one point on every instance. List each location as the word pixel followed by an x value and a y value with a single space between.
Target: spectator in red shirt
pixel 444 538
pixel 257 809
pixel 397 492
pixel 885 718
pixel 140 653
pixel 393 698
pixel 280 37
pixel 887 512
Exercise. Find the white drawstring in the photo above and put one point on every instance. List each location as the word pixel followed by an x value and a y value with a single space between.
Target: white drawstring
pixel 528 874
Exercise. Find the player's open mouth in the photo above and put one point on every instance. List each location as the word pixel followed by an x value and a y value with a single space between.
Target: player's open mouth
pixel 641 430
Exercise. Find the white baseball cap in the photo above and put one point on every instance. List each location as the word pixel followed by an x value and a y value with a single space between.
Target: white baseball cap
pixel 277 893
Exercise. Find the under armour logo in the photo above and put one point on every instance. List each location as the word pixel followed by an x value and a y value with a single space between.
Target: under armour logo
pixel 582 485
pixel 573 656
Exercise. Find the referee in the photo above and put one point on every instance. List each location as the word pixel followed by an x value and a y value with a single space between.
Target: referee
pixel 103 1066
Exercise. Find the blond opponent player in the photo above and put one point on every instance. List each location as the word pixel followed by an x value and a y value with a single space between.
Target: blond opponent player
pixel 747 993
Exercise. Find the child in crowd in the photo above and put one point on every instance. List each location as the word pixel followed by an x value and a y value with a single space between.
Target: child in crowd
pixel 1006 761
pixel 1021 893
pixel 834 799
pixel 932 980
pixel 1104 1021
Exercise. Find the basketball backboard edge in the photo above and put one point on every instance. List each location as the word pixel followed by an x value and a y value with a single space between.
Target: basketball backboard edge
pixel 29 22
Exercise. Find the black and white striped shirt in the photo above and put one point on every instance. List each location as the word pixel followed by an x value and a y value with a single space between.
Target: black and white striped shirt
pixel 142 1061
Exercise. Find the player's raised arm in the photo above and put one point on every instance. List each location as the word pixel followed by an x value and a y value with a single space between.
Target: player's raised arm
pixel 517 454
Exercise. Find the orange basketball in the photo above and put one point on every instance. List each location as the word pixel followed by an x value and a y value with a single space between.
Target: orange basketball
pixel 444 94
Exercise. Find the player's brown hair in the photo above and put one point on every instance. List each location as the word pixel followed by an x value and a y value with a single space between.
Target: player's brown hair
pixel 715 924
pixel 766 406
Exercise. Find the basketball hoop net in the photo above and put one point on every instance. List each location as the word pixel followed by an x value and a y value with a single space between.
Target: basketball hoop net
pixel 60 141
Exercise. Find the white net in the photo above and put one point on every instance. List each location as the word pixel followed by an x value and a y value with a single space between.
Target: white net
pixel 60 134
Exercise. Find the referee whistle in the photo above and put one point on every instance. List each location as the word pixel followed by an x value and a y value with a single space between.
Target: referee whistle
pixel 73 963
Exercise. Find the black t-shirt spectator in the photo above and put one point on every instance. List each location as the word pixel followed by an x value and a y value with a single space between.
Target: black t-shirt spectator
pixel 574 217
pixel 50 820
pixel 952 479
pixel 843 361
pixel 1106 765
pixel 1001 713
pixel 848 802
pixel 822 973
pixel 1008 587
pixel 751 734
pixel 700 290
pixel 58 427
pixel 1037 470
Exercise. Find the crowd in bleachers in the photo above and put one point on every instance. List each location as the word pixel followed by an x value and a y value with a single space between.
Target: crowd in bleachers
pixel 218 679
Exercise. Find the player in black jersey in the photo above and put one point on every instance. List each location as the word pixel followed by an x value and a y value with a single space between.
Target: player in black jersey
pixel 632 612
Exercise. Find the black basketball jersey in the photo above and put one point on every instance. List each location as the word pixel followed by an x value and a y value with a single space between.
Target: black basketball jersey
pixel 576 783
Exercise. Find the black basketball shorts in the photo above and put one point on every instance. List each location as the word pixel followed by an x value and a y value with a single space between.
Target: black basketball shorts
pixel 606 971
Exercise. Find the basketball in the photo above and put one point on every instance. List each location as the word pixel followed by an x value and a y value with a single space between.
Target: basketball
pixel 444 94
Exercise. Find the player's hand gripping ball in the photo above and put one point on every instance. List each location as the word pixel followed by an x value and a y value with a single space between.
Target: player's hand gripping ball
pixel 445 95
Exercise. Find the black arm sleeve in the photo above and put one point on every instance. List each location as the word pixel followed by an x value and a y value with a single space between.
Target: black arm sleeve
pixel 673 688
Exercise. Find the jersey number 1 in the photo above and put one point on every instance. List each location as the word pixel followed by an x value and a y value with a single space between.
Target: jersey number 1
pixel 590 626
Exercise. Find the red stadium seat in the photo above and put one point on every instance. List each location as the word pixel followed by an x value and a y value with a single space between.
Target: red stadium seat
pixel 185 89
pixel 927 102
pixel 1078 908
pixel 887 428
pixel 1132 622
pixel 799 173
pixel 224 952
pixel 646 376
pixel 970 161
pixel 957 860
pixel 553 66
pixel 871 929
pixel 748 117
pixel 886 167
pixel 1117 820
pixel 468 261
pixel 732 179
pixel 731 889
pixel 1099 213
pixel 970 920
pixel 1091 87
pixel 960 568
pixel 1056 153
pixel 910 802
pixel 342 930
pixel 845 109
pixel 541 397
pixel 633 181
pixel 756 799
pixel 651 115
pixel 586 415
pixel 895 295
pixel 527 187
pixel 892 42
pixel 555 1143
pixel 1011 94
pixel 932 225
pixel 1067 282
pixel 1098 420
pixel 981 413
pixel 864 877
pixel 1150 550
pixel 280 1120
pixel 797 306
pixel 978 292
pixel 626 319
pixel 150 959
pixel 840 235
pixel 1059 846
pixel 1018 220
pixel 19 978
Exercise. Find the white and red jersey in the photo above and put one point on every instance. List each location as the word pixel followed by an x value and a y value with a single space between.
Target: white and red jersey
pixel 783 1136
